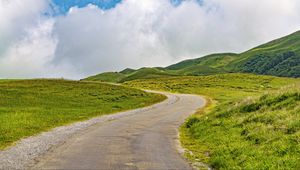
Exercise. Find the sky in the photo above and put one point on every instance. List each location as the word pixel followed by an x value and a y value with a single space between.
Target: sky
pixel 77 38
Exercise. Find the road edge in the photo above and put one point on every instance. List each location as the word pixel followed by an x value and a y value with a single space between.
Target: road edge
pixel 182 150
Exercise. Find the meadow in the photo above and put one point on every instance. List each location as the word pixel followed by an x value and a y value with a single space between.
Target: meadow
pixel 28 107
pixel 250 121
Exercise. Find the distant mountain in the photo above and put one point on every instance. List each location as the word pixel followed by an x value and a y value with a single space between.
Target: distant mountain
pixel 280 57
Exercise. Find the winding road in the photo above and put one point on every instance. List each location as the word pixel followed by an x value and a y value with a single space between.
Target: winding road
pixel 144 139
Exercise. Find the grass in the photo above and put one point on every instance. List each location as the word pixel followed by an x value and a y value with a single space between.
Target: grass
pixel 107 77
pixel 130 74
pixel 251 122
pixel 146 73
pixel 28 107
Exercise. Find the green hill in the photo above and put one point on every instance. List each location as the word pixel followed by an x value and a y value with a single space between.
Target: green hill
pixel 279 57
pixel 107 77
pixel 127 71
pixel 130 74
pixel 210 64
pixel 147 73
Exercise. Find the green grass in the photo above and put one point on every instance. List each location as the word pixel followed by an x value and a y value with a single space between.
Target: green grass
pixel 111 77
pixel 251 122
pixel 146 73
pixel 206 65
pixel 28 107
pixel 221 87
pixel 130 74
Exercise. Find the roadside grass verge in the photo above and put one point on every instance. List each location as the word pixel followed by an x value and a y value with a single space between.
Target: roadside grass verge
pixel 253 122
pixel 28 107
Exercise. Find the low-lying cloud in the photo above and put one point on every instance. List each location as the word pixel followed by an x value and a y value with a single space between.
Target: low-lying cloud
pixel 133 34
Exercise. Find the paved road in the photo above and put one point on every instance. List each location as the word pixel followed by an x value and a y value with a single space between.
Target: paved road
pixel 145 140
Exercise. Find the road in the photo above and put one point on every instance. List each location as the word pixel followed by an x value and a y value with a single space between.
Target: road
pixel 147 139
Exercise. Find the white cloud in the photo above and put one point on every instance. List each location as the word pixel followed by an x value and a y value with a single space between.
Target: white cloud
pixel 134 34
pixel 92 39
pixel 17 15
pixel 29 56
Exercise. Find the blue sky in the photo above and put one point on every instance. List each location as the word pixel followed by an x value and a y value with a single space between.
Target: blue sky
pixel 63 6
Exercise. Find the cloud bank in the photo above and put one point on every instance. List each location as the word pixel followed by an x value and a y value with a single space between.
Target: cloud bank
pixel 134 34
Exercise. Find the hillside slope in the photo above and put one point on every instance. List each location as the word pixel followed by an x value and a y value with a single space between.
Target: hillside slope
pixel 206 65
pixel 107 77
pixel 280 57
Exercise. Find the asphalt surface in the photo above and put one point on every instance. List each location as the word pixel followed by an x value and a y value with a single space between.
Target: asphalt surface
pixel 147 139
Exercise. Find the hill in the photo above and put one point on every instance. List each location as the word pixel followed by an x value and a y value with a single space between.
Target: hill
pixel 131 74
pixel 147 73
pixel 107 77
pixel 279 57
pixel 206 65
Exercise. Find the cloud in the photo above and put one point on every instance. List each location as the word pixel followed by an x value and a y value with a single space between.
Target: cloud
pixel 15 19
pixel 29 57
pixel 227 25
pixel 25 41
pixel 134 34
pixel 91 39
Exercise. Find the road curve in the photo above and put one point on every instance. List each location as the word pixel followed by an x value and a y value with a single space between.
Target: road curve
pixel 144 140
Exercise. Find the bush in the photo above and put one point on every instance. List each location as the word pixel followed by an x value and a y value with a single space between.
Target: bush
pixel 191 122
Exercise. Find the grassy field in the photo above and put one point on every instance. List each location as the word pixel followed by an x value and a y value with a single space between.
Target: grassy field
pixel 28 107
pixel 251 122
